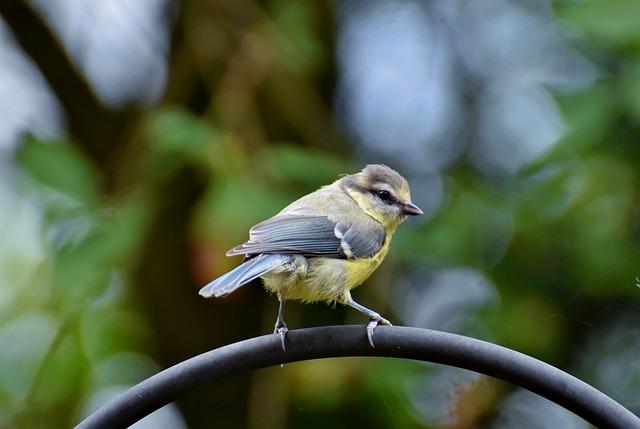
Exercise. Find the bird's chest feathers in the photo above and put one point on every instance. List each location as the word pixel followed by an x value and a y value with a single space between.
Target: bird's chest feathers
pixel 324 279
pixel 360 269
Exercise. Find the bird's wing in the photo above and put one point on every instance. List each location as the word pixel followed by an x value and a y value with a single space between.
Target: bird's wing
pixel 361 239
pixel 313 236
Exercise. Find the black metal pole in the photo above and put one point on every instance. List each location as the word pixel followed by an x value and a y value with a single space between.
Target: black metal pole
pixel 339 341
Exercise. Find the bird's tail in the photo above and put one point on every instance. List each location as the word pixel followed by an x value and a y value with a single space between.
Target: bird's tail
pixel 243 274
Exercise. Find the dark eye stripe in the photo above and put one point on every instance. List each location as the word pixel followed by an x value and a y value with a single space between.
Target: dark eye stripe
pixel 389 198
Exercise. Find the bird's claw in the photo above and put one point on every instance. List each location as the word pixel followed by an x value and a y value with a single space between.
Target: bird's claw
pixel 373 323
pixel 281 329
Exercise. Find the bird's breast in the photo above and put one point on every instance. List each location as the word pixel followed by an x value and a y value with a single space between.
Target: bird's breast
pixel 361 269
pixel 323 279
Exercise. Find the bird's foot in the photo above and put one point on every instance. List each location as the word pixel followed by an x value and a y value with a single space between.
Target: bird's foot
pixel 281 329
pixel 374 321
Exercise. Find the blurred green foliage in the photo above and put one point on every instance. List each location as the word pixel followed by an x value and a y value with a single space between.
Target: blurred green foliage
pixel 561 242
pixel 59 166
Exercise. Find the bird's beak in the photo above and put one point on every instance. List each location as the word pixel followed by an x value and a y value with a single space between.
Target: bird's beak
pixel 411 209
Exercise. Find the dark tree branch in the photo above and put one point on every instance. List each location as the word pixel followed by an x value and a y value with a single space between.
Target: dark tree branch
pixel 338 341
pixel 97 129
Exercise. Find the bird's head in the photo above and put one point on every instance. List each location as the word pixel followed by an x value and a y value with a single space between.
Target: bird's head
pixel 383 194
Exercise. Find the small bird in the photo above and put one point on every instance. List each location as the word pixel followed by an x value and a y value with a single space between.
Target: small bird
pixel 324 244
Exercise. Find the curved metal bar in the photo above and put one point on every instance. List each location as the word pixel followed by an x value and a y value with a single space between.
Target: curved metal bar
pixel 340 341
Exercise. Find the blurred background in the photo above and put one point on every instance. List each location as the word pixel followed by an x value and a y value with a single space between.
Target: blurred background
pixel 140 140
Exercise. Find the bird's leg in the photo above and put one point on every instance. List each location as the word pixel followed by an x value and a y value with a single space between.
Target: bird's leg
pixel 374 319
pixel 281 327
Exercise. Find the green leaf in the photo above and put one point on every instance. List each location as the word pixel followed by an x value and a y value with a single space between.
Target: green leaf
pixel 232 206
pixel 178 137
pixel 63 375
pixel 631 89
pixel 82 270
pixel 297 44
pixel 589 114
pixel 24 342
pixel 613 22
pixel 106 332
pixel 59 165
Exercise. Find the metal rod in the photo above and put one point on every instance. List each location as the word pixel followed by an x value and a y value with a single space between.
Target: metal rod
pixel 340 341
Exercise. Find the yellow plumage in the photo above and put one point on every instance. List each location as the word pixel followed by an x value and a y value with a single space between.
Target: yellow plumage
pixel 326 243
pixel 328 279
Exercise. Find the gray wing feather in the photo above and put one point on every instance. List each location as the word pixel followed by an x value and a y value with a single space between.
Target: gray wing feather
pixel 314 236
pixel 303 235
pixel 243 274
pixel 360 239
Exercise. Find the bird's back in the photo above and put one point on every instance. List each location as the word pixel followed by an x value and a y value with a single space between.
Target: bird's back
pixel 331 201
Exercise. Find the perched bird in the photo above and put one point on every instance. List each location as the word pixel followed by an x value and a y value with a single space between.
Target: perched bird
pixel 324 244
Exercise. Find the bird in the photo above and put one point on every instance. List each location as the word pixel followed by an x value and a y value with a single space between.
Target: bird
pixel 323 245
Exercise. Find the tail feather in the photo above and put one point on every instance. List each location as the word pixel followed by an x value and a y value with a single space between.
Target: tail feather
pixel 243 274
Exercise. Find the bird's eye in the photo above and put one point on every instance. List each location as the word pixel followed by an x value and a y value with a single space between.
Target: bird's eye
pixel 384 195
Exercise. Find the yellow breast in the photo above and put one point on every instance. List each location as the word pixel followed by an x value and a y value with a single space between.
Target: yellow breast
pixel 359 270
pixel 324 279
